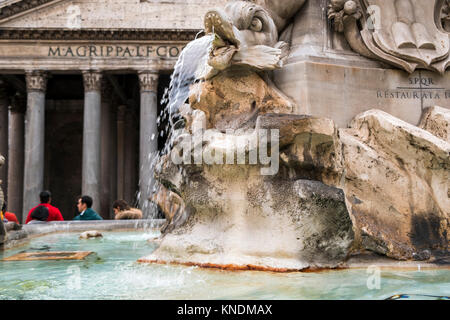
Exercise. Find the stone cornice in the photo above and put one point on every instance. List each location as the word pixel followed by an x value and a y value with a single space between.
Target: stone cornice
pixel 19 7
pixel 98 34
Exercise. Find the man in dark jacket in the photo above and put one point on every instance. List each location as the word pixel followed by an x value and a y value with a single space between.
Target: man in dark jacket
pixel 86 212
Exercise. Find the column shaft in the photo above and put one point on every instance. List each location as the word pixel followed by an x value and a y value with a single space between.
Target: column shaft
pixel 16 157
pixel 105 147
pixel 113 160
pixel 131 161
pixel 148 141
pixel 91 173
pixel 120 152
pixel 34 140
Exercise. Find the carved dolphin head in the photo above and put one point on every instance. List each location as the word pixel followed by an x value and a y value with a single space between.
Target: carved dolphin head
pixel 281 11
pixel 246 33
pixel 242 23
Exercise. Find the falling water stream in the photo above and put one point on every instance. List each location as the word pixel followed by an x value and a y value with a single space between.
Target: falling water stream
pixel 190 67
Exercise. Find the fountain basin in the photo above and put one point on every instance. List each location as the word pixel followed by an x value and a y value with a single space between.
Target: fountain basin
pixel 114 274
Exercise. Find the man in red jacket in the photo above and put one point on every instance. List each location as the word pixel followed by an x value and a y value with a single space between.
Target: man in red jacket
pixel 11 217
pixel 54 213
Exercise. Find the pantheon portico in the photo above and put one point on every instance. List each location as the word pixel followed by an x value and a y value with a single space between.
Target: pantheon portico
pixel 81 85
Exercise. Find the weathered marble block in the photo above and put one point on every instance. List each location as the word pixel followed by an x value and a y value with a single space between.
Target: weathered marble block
pixel 341 92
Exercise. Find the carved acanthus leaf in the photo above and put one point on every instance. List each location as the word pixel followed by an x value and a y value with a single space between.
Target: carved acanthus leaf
pixel 148 81
pixel 36 81
pixel 92 81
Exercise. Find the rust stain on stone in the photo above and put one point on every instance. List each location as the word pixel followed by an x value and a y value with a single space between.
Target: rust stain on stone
pixel 233 267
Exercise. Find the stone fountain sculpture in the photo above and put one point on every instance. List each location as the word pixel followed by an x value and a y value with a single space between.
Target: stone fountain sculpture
pixel 224 219
pixel 315 194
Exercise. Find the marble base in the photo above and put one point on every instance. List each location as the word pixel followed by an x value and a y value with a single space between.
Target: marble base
pixel 341 92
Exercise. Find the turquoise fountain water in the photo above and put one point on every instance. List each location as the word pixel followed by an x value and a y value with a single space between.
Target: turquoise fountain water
pixel 113 273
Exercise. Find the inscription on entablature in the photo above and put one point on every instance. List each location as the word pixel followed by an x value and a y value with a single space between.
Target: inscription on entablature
pixel 116 51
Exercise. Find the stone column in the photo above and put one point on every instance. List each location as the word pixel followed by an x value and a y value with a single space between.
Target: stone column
pixel 4 104
pixel 33 182
pixel 113 158
pixel 16 156
pixel 148 140
pixel 91 173
pixel 131 155
pixel 121 151
pixel 105 149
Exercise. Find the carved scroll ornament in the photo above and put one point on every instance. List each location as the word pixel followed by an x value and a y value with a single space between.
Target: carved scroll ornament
pixel 402 33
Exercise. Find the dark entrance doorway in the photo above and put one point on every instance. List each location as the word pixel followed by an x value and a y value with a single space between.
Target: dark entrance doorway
pixel 64 141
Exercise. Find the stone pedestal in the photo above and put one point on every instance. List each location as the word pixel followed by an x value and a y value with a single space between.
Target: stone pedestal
pixel 148 137
pixel 16 156
pixel 340 92
pixel 34 140
pixel 92 137
pixel 327 79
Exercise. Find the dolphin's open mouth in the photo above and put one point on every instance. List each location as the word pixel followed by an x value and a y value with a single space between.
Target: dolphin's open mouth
pixel 225 43
pixel 243 34
pixel 218 23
